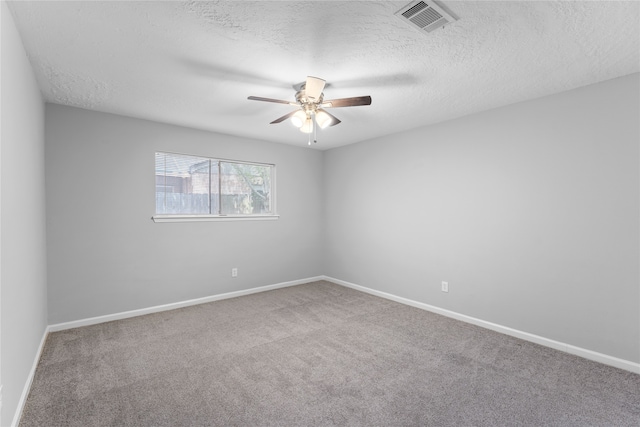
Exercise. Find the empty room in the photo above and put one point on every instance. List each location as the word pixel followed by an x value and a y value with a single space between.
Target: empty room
pixel 317 213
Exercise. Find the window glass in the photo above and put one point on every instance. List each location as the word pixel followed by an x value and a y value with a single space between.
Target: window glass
pixel 245 188
pixel 190 185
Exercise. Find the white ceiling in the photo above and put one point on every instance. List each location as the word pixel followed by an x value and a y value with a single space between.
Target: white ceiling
pixel 194 63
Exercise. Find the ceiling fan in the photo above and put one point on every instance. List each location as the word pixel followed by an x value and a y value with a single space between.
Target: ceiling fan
pixel 311 105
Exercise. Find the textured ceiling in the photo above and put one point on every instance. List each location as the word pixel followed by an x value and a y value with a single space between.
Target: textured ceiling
pixel 194 63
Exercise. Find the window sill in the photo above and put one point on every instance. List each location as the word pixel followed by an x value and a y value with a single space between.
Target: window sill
pixel 207 218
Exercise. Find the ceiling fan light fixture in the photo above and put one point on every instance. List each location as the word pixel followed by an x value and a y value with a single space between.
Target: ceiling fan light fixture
pixel 311 106
pixel 299 118
pixel 307 126
pixel 323 119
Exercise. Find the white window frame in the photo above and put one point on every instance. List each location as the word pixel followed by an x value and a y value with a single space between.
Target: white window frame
pixel 222 217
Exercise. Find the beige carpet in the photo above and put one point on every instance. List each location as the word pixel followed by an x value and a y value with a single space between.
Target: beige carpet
pixel 316 355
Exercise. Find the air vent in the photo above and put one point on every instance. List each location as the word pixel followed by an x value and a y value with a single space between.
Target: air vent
pixel 425 15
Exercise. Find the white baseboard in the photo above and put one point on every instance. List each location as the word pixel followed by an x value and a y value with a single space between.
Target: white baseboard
pixel 567 348
pixel 172 306
pixel 27 386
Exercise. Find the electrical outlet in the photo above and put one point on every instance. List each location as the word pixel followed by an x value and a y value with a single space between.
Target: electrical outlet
pixel 234 272
pixel 445 286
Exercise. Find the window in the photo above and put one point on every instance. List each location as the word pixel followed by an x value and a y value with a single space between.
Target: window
pixel 200 188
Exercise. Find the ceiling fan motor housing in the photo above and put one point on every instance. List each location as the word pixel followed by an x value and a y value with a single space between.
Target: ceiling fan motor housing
pixel 304 100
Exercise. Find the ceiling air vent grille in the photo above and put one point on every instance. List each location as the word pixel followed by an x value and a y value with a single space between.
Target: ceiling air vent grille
pixel 425 15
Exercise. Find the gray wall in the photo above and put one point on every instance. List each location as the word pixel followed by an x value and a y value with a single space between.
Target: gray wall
pixel 107 256
pixel 530 212
pixel 23 292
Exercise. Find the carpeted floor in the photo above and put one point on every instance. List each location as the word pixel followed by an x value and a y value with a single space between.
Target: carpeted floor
pixel 316 354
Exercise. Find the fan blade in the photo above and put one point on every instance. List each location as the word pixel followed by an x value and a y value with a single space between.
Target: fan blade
pixel 278 101
pixel 313 87
pixel 283 118
pixel 347 102
pixel 334 119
